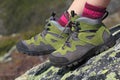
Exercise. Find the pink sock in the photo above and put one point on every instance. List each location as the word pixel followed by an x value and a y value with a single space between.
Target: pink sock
pixel 63 20
pixel 93 12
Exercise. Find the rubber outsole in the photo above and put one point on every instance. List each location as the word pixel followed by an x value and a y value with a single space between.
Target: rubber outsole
pixel 95 51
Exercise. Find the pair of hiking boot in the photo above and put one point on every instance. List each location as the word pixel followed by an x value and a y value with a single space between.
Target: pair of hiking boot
pixel 68 45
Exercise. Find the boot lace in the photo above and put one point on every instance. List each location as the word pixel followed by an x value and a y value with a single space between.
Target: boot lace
pixel 45 31
pixel 72 36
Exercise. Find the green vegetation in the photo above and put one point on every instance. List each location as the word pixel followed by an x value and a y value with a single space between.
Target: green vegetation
pixel 6 43
pixel 26 17
pixel 22 15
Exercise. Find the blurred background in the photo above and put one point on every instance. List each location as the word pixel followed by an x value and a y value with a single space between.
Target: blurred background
pixel 21 19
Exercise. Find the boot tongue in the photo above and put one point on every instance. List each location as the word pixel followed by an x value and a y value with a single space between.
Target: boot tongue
pixel 57 28
pixel 89 24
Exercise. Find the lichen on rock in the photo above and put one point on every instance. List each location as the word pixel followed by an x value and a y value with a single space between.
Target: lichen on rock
pixel 101 67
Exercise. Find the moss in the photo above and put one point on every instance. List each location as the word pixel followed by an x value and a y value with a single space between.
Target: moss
pixel 43 74
pixel 113 54
pixel 93 73
pixel 111 76
pixel 6 43
pixel 101 55
pixel 86 68
pixel 104 71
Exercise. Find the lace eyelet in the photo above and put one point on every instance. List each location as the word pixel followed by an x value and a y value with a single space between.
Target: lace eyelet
pixel 48 24
pixel 48 29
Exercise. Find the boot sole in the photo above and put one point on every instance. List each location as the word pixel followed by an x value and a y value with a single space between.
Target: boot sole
pixel 93 52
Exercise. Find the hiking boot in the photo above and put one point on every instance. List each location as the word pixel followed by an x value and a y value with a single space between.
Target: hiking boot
pixel 45 42
pixel 87 39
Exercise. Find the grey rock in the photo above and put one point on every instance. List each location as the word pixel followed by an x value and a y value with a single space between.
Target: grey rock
pixel 7 57
pixel 114 6
pixel 113 19
pixel 105 66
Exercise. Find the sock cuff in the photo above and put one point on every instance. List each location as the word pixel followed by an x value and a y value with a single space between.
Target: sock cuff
pixel 95 8
pixel 93 12
pixel 63 20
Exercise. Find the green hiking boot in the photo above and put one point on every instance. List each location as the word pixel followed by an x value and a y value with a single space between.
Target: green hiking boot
pixel 83 43
pixel 47 41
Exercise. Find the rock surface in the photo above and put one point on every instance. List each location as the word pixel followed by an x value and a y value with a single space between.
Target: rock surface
pixel 105 66
pixel 114 6
pixel 7 57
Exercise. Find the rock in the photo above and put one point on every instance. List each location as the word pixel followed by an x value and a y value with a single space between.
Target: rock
pixel 7 57
pixel 105 66
pixel 114 6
